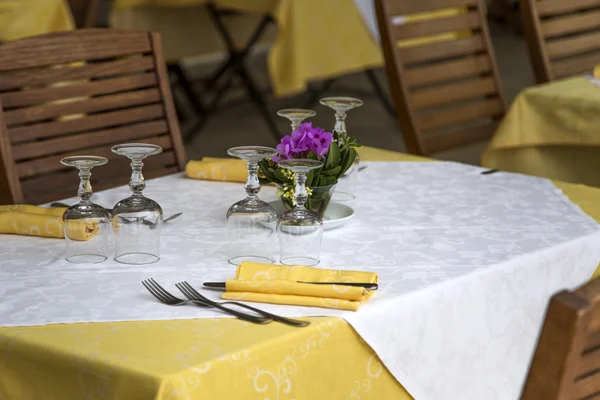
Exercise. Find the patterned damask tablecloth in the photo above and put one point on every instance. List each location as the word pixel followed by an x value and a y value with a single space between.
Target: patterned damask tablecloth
pixel 466 261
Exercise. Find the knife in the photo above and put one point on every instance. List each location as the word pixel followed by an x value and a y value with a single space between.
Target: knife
pixel 368 286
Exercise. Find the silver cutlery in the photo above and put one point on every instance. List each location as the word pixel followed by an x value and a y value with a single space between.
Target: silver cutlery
pixel 167 298
pixel 369 286
pixel 192 294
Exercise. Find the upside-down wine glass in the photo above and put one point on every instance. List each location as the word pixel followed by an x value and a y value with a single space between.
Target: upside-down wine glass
pixel 346 189
pixel 251 222
pixel 296 115
pixel 300 230
pixel 86 224
pixel 137 220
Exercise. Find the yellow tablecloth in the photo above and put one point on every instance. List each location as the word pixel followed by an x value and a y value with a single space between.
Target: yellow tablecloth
pixel 206 358
pixel 315 39
pixel 22 18
pixel 551 130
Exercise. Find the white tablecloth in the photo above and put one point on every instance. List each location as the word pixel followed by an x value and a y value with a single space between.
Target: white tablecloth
pixel 467 263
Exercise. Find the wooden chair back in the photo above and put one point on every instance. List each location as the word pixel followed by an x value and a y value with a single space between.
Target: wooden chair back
pixel 566 363
pixel 442 72
pixel 563 36
pixel 79 93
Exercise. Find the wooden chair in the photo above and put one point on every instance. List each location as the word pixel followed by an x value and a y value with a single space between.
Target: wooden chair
pixel 447 92
pixel 563 36
pixel 82 92
pixel 566 363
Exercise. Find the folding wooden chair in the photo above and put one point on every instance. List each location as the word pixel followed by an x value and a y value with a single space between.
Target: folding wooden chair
pixel 442 72
pixel 79 93
pixel 566 364
pixel 563 36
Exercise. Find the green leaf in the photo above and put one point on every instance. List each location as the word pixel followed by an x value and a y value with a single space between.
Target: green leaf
pixel 309 178
pixel 331 180
pixel 281 177
pixel 333 156
pixel 348 160
pixel 267 172
pixel 312 156
pixel 333 171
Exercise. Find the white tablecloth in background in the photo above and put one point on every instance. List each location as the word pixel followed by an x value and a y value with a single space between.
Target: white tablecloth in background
pixel 467 263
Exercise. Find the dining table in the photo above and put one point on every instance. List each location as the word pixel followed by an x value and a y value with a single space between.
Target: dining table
pixel 23 18
pixel 467 260
pixel 551 131
pixel 340 39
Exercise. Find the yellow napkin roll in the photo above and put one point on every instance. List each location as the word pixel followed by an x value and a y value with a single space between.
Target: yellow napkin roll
pixel 268 283
pixel 596 72
pixel 217 169
pixel 41 221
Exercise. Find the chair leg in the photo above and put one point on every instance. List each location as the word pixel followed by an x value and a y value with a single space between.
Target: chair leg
pixel 187 87
pixel 380 93
pixel 315 94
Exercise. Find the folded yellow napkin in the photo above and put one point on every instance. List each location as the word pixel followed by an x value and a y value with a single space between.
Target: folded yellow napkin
pixel 23 219
pixel 217 169
pixel 268 283
pixel 596 72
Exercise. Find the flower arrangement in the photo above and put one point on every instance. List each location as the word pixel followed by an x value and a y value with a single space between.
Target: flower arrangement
pixel 337 153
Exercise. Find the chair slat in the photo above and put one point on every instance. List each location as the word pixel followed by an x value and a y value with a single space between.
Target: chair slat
pixel 122 134
pixel 105 86
pixel 52 163
pixel 586 387
pixel 575 45
pixel 80 45
pixel 465 113
pixel 570 67
pixel 61 185
pixel 440 95
pixel 454 23
pixel 89 123
pixel 445 71
pixel 590 362
pixel 110 102
pixel 592 341
pixel 570 24
pixel 396 8
pixel 555 7
pixel 441 50
pixel 47 76
pixel 461 137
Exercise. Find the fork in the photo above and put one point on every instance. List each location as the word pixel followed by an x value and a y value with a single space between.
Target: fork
pixel 167 298
pixel 192 294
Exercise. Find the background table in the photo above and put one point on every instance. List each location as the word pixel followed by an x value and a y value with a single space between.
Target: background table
pixel 337 42
pixel 22 18
pixel 551 131
pixel 172 359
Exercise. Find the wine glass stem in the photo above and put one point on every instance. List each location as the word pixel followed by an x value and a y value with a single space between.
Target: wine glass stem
pixel 85 187
pixel 252 183
pixel 137 183
pixel 300 194
pixel 340 124
pixel 296 124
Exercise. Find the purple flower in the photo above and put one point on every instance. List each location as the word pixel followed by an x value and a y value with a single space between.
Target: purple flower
pixel 302 141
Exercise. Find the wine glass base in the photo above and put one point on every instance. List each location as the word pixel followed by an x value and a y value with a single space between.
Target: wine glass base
pixel 300 260
pixel 343 196
pixel 257 259
pixel 137 258
pixel 86 258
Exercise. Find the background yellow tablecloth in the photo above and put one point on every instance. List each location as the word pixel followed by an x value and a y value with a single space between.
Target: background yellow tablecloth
pixel 22 18
pixel 551 130
pixel 206 358
pixel 313 39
